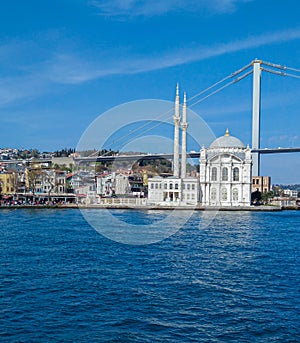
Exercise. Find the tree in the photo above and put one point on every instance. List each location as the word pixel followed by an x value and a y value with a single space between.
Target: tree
pixel 15 182
pixel 33 177
pixel 49 178
pixel 35 153
pixel 265 197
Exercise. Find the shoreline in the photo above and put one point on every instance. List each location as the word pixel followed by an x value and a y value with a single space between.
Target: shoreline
pixel 155 207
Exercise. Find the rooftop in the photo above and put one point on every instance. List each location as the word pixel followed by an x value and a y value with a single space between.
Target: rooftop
pixel 227 141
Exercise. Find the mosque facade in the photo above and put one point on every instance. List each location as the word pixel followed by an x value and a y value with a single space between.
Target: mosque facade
pixel 225 173
pixel 224 178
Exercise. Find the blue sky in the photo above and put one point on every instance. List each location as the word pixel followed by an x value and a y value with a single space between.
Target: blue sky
pixel 65 62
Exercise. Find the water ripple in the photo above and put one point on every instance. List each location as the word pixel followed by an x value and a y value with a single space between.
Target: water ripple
pixel 237 280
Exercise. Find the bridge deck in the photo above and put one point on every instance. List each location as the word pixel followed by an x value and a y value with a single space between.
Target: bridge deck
pixel 170 156
pixel 152 156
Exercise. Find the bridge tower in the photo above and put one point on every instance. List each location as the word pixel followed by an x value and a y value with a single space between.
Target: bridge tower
pixel 256 117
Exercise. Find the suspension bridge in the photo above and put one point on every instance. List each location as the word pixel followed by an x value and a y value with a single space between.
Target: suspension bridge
pixel 255 68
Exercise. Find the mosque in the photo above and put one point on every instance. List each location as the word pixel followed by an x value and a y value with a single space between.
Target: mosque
pixel 225 172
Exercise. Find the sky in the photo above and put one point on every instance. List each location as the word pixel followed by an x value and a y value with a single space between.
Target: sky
pixel 64 63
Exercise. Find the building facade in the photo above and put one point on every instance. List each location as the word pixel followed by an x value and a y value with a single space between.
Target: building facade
pixel 261 184
pixel 178 189
pixel 8 183
pixel 173 191
pixel 224 176
pixel 225 173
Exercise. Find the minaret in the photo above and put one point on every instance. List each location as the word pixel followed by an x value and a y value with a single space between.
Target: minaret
pixel 184 126
pixel 176 134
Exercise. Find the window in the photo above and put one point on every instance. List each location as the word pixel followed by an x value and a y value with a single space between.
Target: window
pixel 225 174
pixel 236 174
pixel 171 186
pixel 156 186
pixel 165 186
pixel 193 187
pixel 152 185
pixel 213 194
pixel 188 186
pixel 235 194
pixel 224 194
pixel 176 185
pixel 214 174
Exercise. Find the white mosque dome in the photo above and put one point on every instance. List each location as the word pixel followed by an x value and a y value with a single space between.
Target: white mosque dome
pixel 227 141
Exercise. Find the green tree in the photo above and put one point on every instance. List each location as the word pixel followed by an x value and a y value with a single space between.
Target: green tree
pixel 265 197
pixel 34 177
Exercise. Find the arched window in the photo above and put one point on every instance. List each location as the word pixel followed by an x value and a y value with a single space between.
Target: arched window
pixel 225 174
pixel 176 185
pixel 235 194
pixel 214 174
pixel 224 194
pixel 213 194
pixel 171 185
pixel 236 174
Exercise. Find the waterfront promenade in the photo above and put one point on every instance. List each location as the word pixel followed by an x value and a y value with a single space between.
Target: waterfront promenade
pixel 140 204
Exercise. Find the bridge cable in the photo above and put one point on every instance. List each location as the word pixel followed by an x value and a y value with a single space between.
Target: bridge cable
pixel 172 109
pixel 214 92
pixel 223 87
pixel 278 66
pixel 207 96
pixel 280 73
pixel 221 81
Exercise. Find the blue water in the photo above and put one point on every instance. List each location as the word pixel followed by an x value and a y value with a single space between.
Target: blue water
pixel 237 280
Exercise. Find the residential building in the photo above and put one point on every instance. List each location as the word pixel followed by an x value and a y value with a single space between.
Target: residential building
pixel 122 185
pixel 8 183
pixel 290 193
pixel 261 184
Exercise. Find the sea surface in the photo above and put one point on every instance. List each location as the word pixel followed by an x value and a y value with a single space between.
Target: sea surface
pixel 235 279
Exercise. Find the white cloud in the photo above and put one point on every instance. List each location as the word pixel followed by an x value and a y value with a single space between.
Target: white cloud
pixel 75 70
pixel 133 8
pixel 20 87
pixel 69 68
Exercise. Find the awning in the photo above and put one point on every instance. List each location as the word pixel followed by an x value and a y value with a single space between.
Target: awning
pixel 7 197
